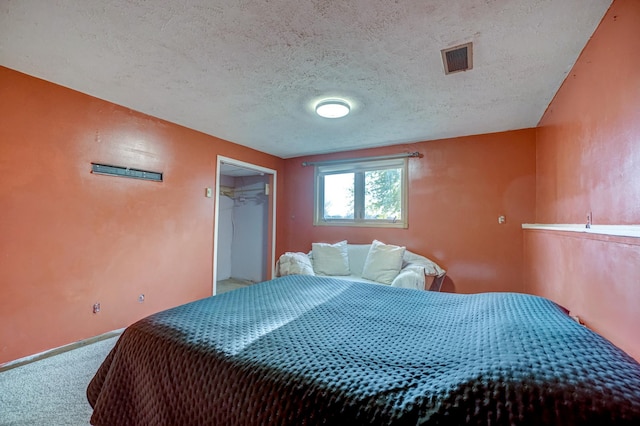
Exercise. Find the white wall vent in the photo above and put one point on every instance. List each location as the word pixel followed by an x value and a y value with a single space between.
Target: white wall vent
pixel 458 58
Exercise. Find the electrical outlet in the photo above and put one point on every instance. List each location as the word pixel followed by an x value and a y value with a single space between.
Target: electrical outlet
pixel 96 308
pixel 502 220
pixel 141 298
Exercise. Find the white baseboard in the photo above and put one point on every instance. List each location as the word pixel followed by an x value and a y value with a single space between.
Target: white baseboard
pixel 55 351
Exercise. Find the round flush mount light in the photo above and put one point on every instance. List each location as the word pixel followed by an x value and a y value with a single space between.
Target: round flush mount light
pixel 333 108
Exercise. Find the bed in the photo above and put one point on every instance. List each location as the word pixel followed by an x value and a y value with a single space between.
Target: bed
pixel 307 350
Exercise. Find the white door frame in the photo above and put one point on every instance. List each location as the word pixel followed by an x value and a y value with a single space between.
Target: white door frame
pixel 260 169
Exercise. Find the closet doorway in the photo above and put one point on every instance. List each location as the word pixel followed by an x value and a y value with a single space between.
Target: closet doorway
pixel 244 240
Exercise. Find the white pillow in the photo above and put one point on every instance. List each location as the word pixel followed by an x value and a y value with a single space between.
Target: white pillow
pixel 294 264
pixel 330 259
pixel 383 263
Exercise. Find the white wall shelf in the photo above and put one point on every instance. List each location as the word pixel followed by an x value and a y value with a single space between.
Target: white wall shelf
pixel 614 230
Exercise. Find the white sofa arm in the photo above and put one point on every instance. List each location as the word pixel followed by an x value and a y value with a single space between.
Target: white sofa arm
pixel 410 277
pixel 431 273
pixel 431 268
pixel 292 263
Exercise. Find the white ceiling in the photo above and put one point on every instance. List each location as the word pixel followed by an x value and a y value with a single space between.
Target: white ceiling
pixel 251 71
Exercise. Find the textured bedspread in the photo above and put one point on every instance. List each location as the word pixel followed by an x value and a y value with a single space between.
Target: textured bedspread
pixel 303 350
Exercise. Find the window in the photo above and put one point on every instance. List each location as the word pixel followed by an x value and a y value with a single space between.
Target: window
pixel 363 193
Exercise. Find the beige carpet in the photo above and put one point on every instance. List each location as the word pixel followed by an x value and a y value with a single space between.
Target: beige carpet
pixel 231 284
pixel 52 391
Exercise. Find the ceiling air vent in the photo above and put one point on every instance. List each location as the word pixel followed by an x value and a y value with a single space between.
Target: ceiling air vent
pixel 459 58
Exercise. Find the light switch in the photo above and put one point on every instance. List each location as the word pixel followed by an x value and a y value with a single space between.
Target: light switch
pixel 209 193
pixel 502 220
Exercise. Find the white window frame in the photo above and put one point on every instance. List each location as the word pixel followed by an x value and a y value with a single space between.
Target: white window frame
pixel 359 168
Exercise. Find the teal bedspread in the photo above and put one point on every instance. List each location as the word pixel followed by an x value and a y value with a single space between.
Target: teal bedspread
pixel 304 350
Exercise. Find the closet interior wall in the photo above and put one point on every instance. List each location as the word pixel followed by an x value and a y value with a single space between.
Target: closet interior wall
pixel 243 226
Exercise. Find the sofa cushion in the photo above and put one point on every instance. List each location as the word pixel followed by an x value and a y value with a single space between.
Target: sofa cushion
pixel 383 262
pixel 330 259
pixel 357 256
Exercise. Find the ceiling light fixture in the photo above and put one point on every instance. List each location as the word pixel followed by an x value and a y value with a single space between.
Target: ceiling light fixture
pixel 333 108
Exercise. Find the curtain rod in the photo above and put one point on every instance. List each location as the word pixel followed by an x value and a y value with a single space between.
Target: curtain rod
pixel 351 160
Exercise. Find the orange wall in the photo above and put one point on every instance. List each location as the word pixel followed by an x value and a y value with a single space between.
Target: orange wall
pixel 69 238
pixel 589 138
pixel 594 276
pixel 588 159
pixel 456 193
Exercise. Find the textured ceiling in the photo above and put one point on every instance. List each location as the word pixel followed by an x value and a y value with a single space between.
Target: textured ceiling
pixel 251 71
